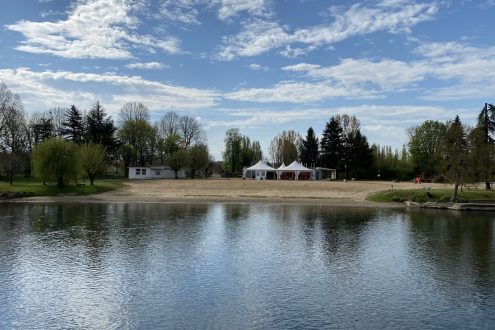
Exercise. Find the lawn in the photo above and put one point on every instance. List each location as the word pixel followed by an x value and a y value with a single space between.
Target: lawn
pixel 433 195
pixel 34 187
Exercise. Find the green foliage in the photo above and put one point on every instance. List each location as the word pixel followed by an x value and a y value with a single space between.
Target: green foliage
pixel 73 126
pixel 308 149
pixel 178 160
pixel 284 148
pixel 455 150
pixel 100 128
pixel 198 159
pixel 390 164
pixel 56 159
pixel 92 157
pixel 434 195
pixel 34 187
pixel 232 156
pixel 426 147
pixel 139 134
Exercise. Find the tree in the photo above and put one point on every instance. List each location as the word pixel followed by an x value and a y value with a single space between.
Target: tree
pixel 136 131
pixel 250 151
pixel 8 103
pixel 56 159
pixel 308 149
pixel 284 147
pixel 190 131
pixel 178 160
pixel 198 159
pixel 92 158
pixel 168 124
pixel 73 125
pixel 129 155
pixel 455 149
pixel 41 126
pixel 57 117
pixel 100 128
pixel 483 146
pixel 232 156
pixel 331 154
pixel 426 147
pixel 359 155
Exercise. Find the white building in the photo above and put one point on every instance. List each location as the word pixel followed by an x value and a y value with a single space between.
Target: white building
pixel 154 172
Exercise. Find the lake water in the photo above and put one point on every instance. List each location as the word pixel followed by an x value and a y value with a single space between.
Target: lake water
pixel 244 266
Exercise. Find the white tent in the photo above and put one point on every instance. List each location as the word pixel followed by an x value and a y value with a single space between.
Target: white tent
pixel 296 168
pixel 280 170
pixel 258 171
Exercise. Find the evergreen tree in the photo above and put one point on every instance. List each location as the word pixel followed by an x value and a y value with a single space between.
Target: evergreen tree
pixel 455 151
pixel 483 145
pixel 73 126
pixel 360 157
pixel 331 144
pixel 100 128
pixel 309 149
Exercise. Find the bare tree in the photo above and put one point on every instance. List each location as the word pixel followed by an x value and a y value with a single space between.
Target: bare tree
pixel 191 131
pixel 8 103
pixel 57 117
pixel 168 124
pixel 133 111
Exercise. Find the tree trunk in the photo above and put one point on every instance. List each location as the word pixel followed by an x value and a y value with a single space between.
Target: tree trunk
pixel 193 174
pixel 456 188
pixel 11 178
pixel 488 185
pixel 60 181
pixel 91 179
pixel 176 173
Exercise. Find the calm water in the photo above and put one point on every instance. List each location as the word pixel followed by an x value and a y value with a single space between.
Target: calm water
pixel 244 266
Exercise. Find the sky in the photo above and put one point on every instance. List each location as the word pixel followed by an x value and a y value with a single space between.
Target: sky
pixel 262 66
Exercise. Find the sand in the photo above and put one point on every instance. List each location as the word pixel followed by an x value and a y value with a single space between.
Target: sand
pixel 245 191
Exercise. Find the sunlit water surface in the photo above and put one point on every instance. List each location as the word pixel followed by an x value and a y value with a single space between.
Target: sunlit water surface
pixel 244 266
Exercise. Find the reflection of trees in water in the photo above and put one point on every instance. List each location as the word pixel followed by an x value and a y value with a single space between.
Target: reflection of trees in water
pixel 457 244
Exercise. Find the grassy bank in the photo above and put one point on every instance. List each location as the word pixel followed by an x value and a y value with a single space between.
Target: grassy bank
pixel 434 195
pixel 34 187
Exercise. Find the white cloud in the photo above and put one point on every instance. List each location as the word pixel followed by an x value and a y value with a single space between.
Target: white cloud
pixel 61 88
pixel 298 92
pixel 258 67
pixel 469 71
pixel 93 29
pixel 186 11
pixel 147 66
pixel 260 36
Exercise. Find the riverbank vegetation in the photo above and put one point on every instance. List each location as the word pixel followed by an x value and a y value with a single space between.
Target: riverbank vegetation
pixel 432 195
pixel 25 187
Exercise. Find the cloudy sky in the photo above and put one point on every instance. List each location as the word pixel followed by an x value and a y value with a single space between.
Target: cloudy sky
pixel 260 65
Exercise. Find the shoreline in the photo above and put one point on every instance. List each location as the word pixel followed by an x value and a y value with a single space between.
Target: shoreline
pixel 98 199
pixel 238 191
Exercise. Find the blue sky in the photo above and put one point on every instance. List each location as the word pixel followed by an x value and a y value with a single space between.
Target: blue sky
pixel 260 65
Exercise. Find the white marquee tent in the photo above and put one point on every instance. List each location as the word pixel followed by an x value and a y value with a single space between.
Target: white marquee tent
pixel 295 168
pixel 258 171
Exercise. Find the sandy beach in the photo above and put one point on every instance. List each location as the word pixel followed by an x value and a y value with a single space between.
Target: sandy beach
pixel 350 193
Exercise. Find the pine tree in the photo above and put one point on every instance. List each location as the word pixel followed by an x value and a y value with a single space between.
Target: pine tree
pixel 73 126
pixel 455 149
pixel 100 128
pixel 331 145
pixel 482 146
pixel 309 149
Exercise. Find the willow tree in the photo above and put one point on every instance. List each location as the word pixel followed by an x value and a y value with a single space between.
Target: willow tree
pixel 92 160
pixel 56 159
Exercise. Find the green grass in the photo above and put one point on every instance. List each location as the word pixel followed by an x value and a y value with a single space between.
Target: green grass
pixel 434 195
pixel 34 187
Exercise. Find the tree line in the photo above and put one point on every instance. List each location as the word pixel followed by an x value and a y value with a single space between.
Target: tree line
pixel 455 152
pixel 63 144
pixel 342 147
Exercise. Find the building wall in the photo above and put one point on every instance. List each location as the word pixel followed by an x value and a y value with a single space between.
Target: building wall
pixel 145 173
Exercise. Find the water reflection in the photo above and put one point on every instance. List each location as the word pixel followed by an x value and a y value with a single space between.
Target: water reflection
pixel 249 266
